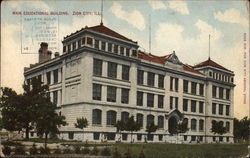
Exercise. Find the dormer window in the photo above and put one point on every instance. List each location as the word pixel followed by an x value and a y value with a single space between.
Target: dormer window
pixel 69 48
pixel 83 41
pixel 89 41
pixel 110 47
pixel 103 45
pixel 97 44
pixel 134 53
pixel 121 50
pixel 116 49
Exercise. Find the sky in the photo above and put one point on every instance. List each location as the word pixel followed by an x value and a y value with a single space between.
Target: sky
pixel 180 26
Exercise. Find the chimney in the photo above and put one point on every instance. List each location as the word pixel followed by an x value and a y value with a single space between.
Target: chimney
pixel 56 54
pixel 44 53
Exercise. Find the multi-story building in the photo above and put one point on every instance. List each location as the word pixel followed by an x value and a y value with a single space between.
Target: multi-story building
pixel 103 76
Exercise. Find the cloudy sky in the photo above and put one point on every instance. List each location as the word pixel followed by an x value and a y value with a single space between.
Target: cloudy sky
pixel 183 26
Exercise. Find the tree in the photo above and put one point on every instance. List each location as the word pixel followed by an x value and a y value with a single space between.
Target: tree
pixel 151 128
pixel 48 121
pixel 81 123
pixel 241 128
pixel 181 128
pixel 120 126
pixel 131 125
pixel 218 128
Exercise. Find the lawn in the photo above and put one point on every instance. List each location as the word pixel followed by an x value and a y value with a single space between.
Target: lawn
pixel 184 150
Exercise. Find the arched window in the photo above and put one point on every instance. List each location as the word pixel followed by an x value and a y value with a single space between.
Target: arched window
pixel 160 122
pixel 124 116
pixel 201 125
pixel 111 117
pixel 139 119
pixel 228 126
pixel 150 119
pixel 96 117
pixel 193 124
pixel 185 120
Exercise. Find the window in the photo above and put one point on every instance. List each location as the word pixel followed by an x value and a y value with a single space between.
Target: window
pixel 210 73
pixel 160 122
pixel 139 136
pixel 201 138
pixel 227 94
pixel 176 84
pixel 193 138
pixel 139 119
pixel 79 44
pixel 111 136
pixel 83 41
pixel 64 48
pixel 150 100
pixel 160 137
pixel 109 47
pixel 103 46
pixel 74 45
pixel 228 126
pixel 48 78
pixel 125 96
pixel 127 52
pixel 96 117
pixel 220 109
pixel 193 106
pixel 171 102
pixel 124 136
pixel 193 124
pixel 112 70
pixel 227 139
pixel 150 137
pixel 97 67
pixel 111 94
pixel 171 83
pixel 227 110
pixel 220 92
pixel 201 107
pixel 89 41
pixel 97 92
pixel 201 125
pixel 139 100
pixel 125 72
pixel 220 138
pixel 55 97
pixel 214 108
pixel 140 77
pixel 111 117
pixel 176 102
pixel 71 135
pixel 185 105
pixel 116 49
pixel 185 137
pixel 214 138
pixel 39 78
pixel 121 50
pixel 160 101
pixel 97 44
pixel 193 87
pixel 96 135
pixel 185 86
pixel 185 120
pixel 214 91
pixel 124 116
pixel 160 81
pixel 55 73
pixel 150 119
pixel 201 89
pixel 69 47
pixel 151 79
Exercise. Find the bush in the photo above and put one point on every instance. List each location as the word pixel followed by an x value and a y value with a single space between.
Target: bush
pixel 94 151
pixel 106 152
pixel 77 149
pixel 33 150
pixel 11 143
pixel 19 150
pixel 127 154
pixel 85 150
pixel 116 154
pixel 44 151
pixel 6 150
pixel 58 150
pixel 67 151
pixel 142 155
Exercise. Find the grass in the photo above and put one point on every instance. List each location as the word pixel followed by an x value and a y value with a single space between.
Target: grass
pixel 184 150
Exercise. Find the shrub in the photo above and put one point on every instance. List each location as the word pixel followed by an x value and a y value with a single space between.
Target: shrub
pixel 67 151
pixel 77 149
pixel 106 152
pixel 44 151
pixel 33 150
pixel 85 150
pixel 10 143
pixel 19 150
pixel 6 150
pixel 127 154
pixel 58 150
pixel 142 155
pixel 94 151
pixel 116 154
